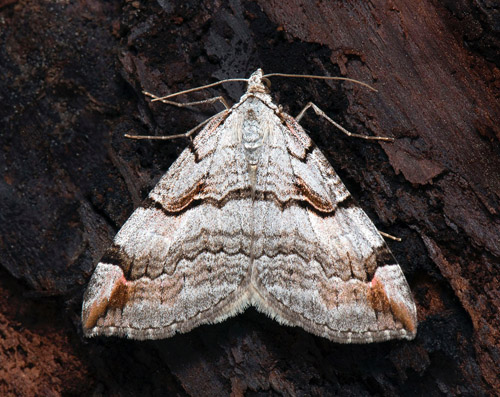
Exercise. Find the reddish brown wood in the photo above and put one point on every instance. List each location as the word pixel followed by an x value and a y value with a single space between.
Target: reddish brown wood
pixel 72 76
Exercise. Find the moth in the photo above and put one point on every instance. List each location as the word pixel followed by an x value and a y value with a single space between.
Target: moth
pixel 250 214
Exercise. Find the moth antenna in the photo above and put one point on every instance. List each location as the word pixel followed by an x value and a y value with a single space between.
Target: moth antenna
pixel 309 76
pixel 197 89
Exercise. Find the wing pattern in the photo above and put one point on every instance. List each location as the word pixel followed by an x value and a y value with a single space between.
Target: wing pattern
pixel 251 214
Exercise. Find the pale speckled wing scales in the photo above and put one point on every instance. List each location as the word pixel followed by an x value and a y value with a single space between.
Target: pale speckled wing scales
pixel 251 213
pixel 181 259
pixel 320 263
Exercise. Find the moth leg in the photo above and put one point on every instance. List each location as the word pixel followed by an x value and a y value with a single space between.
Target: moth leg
pixel 167 137
pixel 180 105
pixel 390 236
pixel 321 113
pixel 186 104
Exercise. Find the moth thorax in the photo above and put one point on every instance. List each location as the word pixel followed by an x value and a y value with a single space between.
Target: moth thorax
pixel 253 136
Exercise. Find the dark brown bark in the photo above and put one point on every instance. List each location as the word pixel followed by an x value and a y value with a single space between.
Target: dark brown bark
pixel 72 76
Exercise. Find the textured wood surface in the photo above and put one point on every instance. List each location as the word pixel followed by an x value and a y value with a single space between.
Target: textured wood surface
pixel 72 76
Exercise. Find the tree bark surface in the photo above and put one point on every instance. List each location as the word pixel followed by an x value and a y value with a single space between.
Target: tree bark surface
pixel 72 80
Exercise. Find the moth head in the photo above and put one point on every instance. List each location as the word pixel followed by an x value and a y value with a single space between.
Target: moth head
pixel 256 83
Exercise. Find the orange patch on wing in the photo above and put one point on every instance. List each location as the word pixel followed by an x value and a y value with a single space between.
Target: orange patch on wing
pixel 97 309
pixel 377 298
pixel 118 298
pixel 120 294
pixel 380 302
